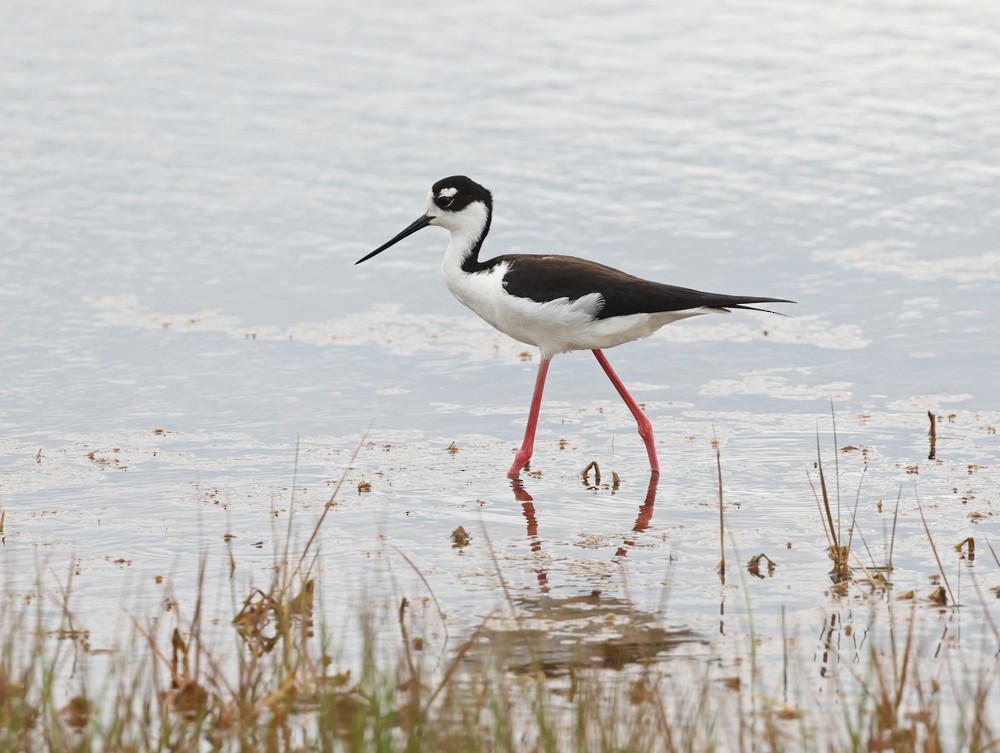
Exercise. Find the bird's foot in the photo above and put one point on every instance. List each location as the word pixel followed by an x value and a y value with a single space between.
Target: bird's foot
pixel 520 462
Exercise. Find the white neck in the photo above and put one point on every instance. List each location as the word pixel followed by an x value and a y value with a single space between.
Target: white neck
pixel 466 229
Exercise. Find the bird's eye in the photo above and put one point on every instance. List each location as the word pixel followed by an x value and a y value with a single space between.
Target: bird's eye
pixel 445 201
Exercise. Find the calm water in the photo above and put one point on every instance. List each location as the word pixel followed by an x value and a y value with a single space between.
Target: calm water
pixel 184 337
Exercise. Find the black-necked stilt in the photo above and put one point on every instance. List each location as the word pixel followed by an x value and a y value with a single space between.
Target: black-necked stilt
pixel 557 303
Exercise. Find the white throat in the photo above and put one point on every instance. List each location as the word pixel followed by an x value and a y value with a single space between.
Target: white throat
pixel 466 230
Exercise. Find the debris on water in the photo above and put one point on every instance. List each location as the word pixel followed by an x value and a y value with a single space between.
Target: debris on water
pixel 460 538
pixel 939 596
pixel 76 712
pixel 452 449
pixel 970 545
pixel 790 713
pixel 641 693
pixel 364 487
pixel 190 699
pixel 585 473
pixel 753 566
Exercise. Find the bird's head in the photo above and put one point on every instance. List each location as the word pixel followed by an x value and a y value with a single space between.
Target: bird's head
pixel 458 204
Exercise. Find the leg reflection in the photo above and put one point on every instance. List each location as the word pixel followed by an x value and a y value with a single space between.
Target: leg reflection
pixel 645 515
pixel 642 520
pixel 528 509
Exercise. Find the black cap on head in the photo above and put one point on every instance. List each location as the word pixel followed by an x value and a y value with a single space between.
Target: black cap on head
pixel 458 191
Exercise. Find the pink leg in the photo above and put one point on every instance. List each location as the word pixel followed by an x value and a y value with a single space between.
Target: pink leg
pixel 524 454
pixel 645 427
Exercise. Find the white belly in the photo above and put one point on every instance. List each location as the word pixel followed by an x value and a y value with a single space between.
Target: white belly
pixel 556 326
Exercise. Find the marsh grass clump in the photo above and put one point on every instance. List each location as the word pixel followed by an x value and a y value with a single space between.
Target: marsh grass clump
pixel 840 548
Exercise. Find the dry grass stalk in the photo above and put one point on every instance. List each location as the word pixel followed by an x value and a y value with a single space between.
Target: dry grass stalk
pixel 839 554
pixel 930 538
pixel 722 514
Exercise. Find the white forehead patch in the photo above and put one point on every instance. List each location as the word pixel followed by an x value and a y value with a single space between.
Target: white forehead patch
pixel 447 192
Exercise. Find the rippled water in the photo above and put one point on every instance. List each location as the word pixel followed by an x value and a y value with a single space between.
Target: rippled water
pixel 184 337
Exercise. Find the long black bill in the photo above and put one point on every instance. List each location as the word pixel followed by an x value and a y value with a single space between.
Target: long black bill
pixel 422 222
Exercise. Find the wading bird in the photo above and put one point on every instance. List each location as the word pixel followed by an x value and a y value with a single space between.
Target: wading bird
pixel 557 303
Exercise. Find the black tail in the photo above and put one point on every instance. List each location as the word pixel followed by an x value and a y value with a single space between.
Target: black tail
pixel 743 307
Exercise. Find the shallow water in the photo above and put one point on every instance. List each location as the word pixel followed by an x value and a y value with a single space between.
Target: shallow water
pixel 184 338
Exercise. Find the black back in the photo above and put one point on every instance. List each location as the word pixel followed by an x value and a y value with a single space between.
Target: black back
pixel 547 278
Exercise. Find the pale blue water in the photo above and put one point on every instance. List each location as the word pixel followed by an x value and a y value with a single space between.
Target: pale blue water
pixel 185 189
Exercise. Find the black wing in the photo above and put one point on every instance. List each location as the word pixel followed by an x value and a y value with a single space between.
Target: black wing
pixel 547 278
